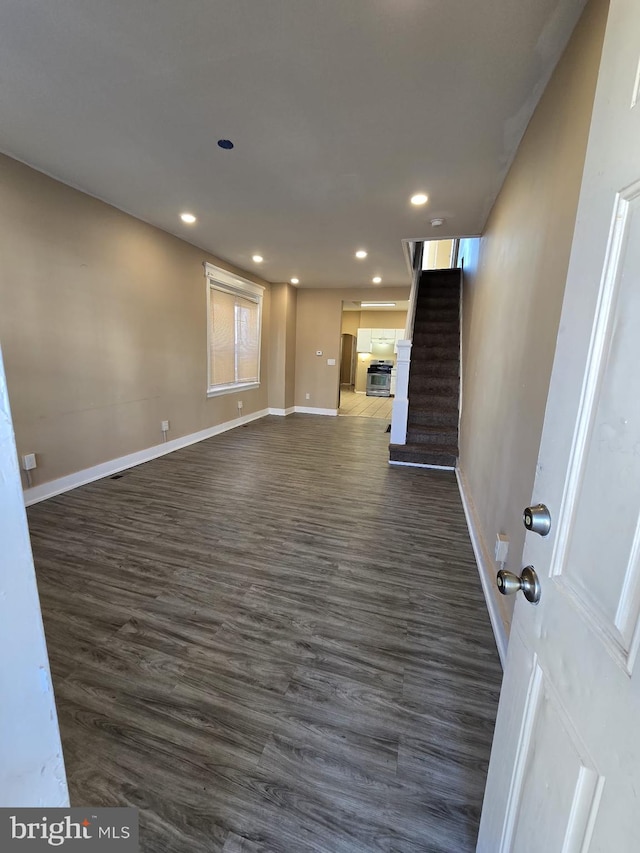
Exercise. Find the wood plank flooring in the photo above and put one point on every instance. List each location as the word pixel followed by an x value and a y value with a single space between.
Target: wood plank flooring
pixel 272 642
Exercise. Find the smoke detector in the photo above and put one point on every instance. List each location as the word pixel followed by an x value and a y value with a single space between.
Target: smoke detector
pixel 436 223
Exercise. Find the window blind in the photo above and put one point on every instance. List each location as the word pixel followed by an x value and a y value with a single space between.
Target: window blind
pixel 234 338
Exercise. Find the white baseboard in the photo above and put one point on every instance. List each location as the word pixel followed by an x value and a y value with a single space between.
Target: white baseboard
pixel 422 465
pixel 88 475
pixel 310 410
pixel 282 412
pixel 486 569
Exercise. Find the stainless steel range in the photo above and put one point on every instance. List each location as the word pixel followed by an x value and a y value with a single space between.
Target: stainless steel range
pixel 379 378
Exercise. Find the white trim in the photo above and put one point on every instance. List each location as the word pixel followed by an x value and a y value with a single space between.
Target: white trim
pixel 282 412
pixel 408 255
pixel 218 390
pixel 310 410
pixel 486 569
pixel 423 465
pixel 236 282
pixel 113 466
pixel 461 355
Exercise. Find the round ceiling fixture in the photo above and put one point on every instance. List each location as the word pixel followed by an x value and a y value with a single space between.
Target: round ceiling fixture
pixel 376 279
pixel 189 218
pixel 227 144
pixel 419 198
pixel 361 253
pixel 295 281
pixel 436 223
pixel 258 259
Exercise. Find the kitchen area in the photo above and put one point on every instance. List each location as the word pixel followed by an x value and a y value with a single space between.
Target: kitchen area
pixel 368 357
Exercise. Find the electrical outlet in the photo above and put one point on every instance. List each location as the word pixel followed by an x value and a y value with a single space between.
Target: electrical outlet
pixel 29 462
pixel 164 426
pixel 240 405
pixel 307 396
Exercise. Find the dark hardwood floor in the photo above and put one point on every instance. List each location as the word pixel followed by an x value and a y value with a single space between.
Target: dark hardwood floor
pixel 272 641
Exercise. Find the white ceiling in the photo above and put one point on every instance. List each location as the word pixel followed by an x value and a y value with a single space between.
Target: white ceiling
pixel 339 111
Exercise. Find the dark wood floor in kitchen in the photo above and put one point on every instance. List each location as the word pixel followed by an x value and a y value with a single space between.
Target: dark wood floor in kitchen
pixel 272 641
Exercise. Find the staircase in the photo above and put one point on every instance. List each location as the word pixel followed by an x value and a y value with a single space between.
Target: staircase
pixel 434 377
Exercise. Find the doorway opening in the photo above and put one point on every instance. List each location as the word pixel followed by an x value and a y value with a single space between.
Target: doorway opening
pixel 369 332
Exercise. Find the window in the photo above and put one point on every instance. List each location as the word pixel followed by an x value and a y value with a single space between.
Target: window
pixel 234 322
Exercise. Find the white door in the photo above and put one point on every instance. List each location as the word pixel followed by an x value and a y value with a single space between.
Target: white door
pixel 31 764
pixel 565 767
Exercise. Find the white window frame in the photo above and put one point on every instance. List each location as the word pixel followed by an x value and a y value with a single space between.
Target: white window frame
pixel 227 282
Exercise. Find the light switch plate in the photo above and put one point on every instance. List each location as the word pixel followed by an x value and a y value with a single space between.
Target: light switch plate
pixel 331 362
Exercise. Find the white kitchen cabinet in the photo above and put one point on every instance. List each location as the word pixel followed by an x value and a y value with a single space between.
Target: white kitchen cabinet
pixel 364 340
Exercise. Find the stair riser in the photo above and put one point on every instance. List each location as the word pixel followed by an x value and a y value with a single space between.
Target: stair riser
pixel 438 317
pixel 434 419
pixel 424 387
pixel 431 403
pixel 441 369
pixel 414 436
pixel 423 340
pixel 446 460
pixel 431 327
pixel 450 303
pixel 439 291
pixel 440 353
pixel 439 278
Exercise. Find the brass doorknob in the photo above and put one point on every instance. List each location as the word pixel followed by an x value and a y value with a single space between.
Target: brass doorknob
pixel 528 582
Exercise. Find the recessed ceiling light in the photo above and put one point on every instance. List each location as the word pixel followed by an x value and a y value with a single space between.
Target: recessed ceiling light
pixel 361 253
pixel 295 281
pixel 376 279
pixel 377 304
pixel 257 258
pixel 189 218
pixel 419 198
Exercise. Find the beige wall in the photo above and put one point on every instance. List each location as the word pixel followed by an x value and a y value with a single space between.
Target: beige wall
pixel 354 320
pixel 103 328
pixel 383 319
pixel 513 293
pixel 282 343
pixel 437 254
pixel 319 325
pixel 350 322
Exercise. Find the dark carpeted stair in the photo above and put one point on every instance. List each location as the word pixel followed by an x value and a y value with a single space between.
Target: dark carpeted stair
pixel 434 378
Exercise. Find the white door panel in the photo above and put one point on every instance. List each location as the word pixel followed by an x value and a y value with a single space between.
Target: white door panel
pixel 565 765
